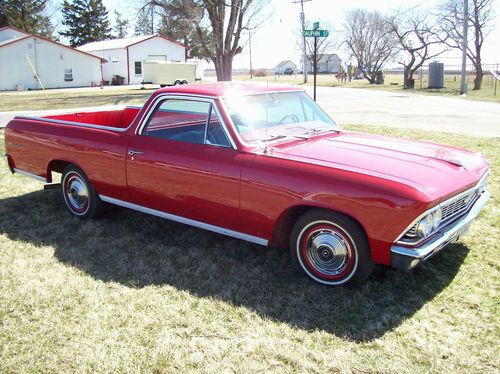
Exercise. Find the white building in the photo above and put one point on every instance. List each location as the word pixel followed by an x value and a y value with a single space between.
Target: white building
pixel 286 64
pixel 22 54
pixel 328 63
pixel 125 57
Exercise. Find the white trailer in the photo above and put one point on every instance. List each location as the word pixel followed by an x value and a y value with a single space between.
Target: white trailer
pixel 169 73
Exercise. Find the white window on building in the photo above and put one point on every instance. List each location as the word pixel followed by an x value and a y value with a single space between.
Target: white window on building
pixel 138 68
pixel 157 57
pixel 68 75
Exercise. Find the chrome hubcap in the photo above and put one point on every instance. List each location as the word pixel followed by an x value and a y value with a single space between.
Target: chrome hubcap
pixel 77 193
pixel 328 252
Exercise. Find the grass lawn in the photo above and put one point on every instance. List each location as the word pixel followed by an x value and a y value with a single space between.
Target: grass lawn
pixel 134 293
pixel 85 97
pixel 393 82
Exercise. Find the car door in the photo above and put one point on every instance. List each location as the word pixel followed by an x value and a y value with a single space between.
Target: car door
pixel 183 162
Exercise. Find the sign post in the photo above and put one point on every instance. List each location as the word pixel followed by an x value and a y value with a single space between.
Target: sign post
pixel 315 33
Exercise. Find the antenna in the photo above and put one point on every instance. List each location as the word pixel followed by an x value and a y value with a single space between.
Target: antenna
pixel 267 120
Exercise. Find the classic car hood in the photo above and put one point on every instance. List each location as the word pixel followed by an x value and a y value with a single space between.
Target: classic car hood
pixel 433 169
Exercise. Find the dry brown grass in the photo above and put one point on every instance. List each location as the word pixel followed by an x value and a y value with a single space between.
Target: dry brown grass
pixel 134 293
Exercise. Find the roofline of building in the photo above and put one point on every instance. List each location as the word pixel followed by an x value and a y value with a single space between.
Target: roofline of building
pixel 154 36
pixel 47 40
pixel 137 42
pixel 15 40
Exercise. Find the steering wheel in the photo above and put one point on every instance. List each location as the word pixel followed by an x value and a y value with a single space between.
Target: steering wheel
pixel 293 117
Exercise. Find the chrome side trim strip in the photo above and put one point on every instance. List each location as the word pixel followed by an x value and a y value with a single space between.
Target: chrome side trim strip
pixel 446 236
pixel 187 221
pixel 30 175
pixel 70 123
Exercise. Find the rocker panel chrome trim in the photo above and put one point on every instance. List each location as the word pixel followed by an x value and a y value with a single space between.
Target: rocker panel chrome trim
pixel 30 175
pixel 187 221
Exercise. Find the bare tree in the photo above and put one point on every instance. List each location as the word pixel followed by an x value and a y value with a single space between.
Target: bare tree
pixel 480 24
pixel 218 25
pixel 416 38
pixel 369 40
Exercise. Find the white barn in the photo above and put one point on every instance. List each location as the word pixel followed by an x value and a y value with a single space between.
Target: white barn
pixel 327 63
pixel 125 57
pixel 283 65
pixel 57 65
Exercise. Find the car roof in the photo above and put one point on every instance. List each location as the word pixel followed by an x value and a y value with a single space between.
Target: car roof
pixel 221 89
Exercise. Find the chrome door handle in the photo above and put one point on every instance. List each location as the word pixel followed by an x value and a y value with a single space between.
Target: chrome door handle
pixel 134 152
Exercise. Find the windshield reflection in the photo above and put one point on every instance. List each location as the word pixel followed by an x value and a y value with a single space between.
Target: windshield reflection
pixel 272 116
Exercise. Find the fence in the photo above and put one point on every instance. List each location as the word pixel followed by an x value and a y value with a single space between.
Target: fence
pixel 452 75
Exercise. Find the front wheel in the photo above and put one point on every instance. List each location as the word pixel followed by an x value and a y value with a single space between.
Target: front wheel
pixel 79 196
pixel 331 249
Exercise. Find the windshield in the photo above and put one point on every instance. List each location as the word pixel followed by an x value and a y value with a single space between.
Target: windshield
pixel 276 115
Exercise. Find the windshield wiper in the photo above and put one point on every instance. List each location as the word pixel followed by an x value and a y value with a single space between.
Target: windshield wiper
pixel 321 129
pixel 274 137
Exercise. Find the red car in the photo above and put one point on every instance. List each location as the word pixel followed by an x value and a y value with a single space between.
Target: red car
pixel 263 164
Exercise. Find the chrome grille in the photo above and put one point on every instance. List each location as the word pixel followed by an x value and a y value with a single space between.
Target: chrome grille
pixel 412 232
pixel 456 207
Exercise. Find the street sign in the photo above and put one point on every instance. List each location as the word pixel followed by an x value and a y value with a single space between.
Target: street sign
pixel 315 25
pixel 316 33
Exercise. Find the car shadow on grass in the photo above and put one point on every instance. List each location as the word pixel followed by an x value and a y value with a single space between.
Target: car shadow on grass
pixel 138 250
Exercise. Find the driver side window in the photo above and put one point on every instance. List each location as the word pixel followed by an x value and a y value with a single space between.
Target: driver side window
pixel 187 121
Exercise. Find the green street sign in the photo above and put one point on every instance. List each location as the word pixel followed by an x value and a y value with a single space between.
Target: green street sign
pixel 315 25
pixel 316 33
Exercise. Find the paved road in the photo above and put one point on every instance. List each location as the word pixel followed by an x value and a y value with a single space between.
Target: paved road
pixel 406 110
pixel 383 108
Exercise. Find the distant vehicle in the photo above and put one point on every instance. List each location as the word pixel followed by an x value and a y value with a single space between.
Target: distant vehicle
pixel 288 71
pixel 169 73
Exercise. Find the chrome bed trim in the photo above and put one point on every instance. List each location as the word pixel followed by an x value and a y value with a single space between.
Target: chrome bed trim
pixel 70 123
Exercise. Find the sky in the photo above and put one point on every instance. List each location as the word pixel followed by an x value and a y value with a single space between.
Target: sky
pixel 275 40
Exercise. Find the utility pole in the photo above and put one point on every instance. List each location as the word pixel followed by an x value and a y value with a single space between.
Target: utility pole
pixel 463 84
pixel 304 53
pixel 315 68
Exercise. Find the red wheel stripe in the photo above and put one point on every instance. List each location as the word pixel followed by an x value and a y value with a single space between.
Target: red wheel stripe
pixel 303 249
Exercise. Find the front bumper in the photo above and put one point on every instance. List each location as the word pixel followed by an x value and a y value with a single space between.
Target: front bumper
pixel 405 258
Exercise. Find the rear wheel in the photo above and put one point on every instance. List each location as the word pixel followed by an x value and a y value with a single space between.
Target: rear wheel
pixel 177 83
pixel 331 249
pixel 185 82
pixel 79 196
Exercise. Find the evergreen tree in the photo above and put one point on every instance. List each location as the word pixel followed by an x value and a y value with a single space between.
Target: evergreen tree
pixel 121 26
pixel 3 18
pixel 143 24
pixel 86 21
pixel 26 15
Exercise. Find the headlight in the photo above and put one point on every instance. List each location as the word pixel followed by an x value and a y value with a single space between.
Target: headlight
pixel 428 224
